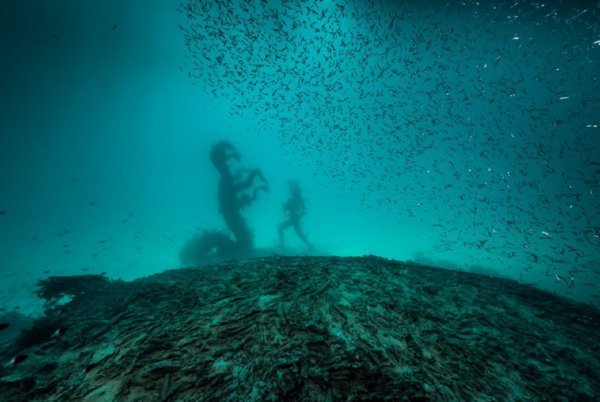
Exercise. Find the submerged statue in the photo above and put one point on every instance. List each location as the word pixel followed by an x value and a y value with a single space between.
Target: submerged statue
pixel 233 196
pixel 294 209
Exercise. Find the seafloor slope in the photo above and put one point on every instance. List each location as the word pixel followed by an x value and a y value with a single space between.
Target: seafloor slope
pixel 302 328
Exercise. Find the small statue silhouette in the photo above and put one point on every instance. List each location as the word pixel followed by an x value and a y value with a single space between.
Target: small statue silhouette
pixel 294 209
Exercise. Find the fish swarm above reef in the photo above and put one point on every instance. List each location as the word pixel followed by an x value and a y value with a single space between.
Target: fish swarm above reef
pixel 307 328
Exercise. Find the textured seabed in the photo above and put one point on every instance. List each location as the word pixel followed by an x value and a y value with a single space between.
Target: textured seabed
pixel 305 328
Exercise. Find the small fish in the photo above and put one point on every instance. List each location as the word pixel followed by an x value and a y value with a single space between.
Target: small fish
pixel 55 36
pixel 114 27
pixel 2 213
pixel 16 360
pixel 4 325
pixel 92 203
pixel 59 332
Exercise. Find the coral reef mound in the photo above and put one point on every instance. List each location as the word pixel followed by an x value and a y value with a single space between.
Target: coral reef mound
pixel 305 328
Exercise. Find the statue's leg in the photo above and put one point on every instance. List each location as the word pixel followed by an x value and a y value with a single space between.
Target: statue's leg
pixel 243 236
pixel 283 227
pixel 301 234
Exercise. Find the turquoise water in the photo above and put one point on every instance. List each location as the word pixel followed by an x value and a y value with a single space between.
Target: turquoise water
pixel 462 135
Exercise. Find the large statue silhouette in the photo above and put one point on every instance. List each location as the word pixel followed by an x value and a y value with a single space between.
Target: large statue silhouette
pixel 233 195
pixel 294 209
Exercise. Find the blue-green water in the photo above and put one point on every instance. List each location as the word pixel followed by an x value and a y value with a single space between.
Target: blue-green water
pixel 463 135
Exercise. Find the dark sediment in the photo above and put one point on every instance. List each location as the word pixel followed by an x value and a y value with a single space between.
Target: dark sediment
pixel 304 328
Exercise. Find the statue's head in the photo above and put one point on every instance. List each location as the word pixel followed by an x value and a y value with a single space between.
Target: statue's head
pixel 220 153
pixel 294 186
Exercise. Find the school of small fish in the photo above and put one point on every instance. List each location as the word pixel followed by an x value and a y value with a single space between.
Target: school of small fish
pixel 481 117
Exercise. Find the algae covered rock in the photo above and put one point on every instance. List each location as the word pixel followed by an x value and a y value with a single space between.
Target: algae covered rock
pixel 308 328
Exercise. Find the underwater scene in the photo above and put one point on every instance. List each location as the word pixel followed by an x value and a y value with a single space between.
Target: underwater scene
pixel 299 200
